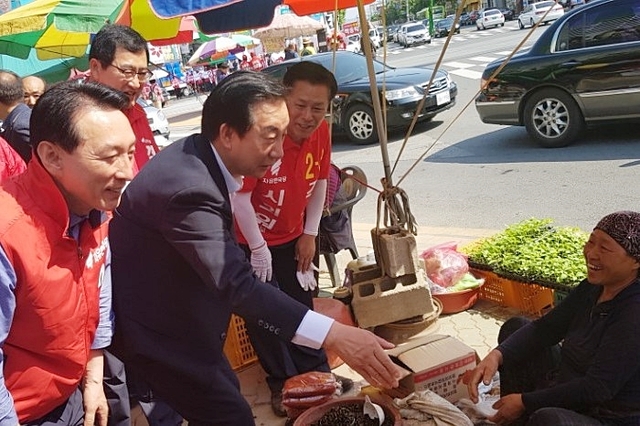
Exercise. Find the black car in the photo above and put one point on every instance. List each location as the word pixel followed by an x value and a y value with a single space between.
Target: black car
pixel 404 89
pixel 444 26
pixel 389 31
pixel 508 14
pixel 583 70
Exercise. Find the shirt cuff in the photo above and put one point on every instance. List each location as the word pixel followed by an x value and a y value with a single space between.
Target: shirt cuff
pixel 312 330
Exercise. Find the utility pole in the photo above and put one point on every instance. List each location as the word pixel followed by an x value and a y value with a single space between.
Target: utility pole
pixel 408 11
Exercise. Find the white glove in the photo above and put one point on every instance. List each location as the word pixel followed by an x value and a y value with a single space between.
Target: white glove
pixel 261 262
pixel 307 278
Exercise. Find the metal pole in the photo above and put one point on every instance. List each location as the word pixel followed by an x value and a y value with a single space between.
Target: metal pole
pixel 375 94
pixel 408 11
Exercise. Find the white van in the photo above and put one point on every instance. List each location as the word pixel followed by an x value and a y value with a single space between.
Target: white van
pixel 375 35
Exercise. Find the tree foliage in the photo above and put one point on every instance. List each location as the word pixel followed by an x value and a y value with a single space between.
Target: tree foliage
pixel 396 10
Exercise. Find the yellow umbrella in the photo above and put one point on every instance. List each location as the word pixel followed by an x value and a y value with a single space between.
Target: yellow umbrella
pixel 54 28
pixel 63 28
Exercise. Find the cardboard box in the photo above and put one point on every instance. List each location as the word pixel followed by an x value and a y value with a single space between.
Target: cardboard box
pixel 434 362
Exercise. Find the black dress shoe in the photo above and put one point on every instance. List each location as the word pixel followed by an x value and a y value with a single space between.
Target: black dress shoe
pixel 345 383
pixel 276 404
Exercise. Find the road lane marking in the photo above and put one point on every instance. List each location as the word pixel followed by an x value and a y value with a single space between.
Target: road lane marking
pixel 482 58
pixel 466 73
pixel 459 65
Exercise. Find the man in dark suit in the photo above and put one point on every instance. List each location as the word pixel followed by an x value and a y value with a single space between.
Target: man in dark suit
pixel 14 114
pixel 178 272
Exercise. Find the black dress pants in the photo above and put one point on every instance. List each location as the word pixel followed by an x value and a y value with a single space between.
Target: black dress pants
pixel 281 360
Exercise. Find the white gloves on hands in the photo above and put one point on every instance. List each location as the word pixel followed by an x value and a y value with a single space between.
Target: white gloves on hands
pixel 261 262
pixel 307 278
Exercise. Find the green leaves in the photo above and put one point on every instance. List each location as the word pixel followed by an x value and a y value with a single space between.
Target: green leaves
pixel 534 250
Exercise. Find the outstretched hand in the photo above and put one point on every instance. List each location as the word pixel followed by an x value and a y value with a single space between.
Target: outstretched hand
pixel 483 371
pixel 364 352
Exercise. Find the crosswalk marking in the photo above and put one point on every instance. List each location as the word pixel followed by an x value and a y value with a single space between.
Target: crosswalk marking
pixel 482 58
pixel 467 73
pixel 458 65
pixel 470 68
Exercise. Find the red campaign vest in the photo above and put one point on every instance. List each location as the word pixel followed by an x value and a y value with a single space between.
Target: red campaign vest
pixel 145 143
pixel 57 296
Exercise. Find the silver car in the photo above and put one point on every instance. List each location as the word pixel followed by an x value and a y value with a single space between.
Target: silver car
pixel 157 120
pixel 414 33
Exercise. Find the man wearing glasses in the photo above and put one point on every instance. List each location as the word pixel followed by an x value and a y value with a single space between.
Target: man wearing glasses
pixel 119 59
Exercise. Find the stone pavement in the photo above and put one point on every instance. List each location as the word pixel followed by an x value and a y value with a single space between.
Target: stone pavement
pixel 477 327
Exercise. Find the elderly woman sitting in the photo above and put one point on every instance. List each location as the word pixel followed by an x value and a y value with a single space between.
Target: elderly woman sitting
pixel 593 378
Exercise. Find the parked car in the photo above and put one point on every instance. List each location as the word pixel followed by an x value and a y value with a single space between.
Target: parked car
pixel 404 89
pixel 583 70
pixel 390 31
pixel 375 34
pixel 414 33
pixel 489 18
pixel 465 19
pixel 473 17
pixel 570 4
pixel 353 43
pixel 157 120
pixel 509 14
pixel 396 34
pixel 444 26
pixel 535 13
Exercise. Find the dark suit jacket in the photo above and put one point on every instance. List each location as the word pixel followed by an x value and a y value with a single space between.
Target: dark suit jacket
pixel 178 272
pixel 15 130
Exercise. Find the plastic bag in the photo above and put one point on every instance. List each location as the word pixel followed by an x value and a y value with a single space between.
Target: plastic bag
pixel 313 383
pixel 467 282
pixel 444 265
pixel 308 390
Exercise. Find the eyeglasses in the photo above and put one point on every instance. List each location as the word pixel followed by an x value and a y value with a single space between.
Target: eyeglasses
pixel 129 74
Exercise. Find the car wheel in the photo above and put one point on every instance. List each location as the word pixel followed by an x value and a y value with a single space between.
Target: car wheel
pixel 502 25
pixel 361 125
pixel 553 118
pixel 531 22
pixel 520 24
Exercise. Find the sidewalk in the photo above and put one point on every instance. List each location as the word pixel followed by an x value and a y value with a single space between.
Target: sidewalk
pixel 477 327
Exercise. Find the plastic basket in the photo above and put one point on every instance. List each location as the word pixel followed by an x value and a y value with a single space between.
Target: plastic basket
pixel 237 346
pixel 533 299
pixel 497 289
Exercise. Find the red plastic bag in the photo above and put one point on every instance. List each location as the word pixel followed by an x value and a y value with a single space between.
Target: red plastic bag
pixel 444 265
pixel 312 383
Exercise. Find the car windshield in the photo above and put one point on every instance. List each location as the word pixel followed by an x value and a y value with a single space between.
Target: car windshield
pixel 543 4
pixel 349 67
pixel 492 12
pixel 418 27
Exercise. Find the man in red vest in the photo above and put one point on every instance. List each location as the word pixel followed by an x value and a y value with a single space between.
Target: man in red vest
pixel 119 58
pixel 55 285
pixel 11 163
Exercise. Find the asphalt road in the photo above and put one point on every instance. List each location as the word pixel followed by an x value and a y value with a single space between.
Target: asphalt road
pixel 465 173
